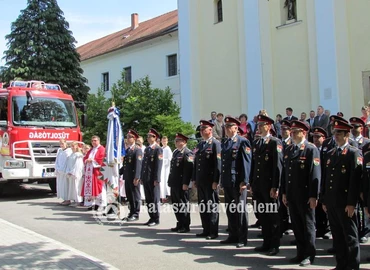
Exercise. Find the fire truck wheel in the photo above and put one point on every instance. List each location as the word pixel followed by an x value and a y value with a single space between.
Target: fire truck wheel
pixel 53 185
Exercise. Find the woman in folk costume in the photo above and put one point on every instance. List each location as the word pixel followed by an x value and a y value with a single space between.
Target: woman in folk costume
pixel 60 165
pixel 93 189
pixel 74 170
pixel 167 156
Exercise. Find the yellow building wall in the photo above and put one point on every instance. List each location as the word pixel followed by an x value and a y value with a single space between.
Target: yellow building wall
pixel 290 61
pixel 288 53
pixel 358 25
pixel 219 80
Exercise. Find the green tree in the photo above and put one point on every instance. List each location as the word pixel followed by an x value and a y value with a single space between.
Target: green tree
pixel 41 47
pixel 142 107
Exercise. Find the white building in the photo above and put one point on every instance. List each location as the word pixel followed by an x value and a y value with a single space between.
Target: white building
pixel 148 48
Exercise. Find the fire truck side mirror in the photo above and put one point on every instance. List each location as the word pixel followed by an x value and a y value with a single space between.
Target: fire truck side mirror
pixel 82 106
pixel 84 120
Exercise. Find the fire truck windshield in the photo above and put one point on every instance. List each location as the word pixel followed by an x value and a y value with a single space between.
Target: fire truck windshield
pixel 43 112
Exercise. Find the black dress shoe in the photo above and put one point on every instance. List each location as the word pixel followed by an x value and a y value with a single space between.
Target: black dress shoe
pixel 240 245
pixel 256 225
pixel 212 236
pixel 305 262
pixel 183 230
pixel 331 250
pixel 296 259
pixel 261 249
pixel 133 218
pixel 363 240
pixel 174 229
pixel 96 207
pixel 147 223
pixel 272 252
pixel 153 223
pixel 229 240
pixel 203 234
pixel 90 208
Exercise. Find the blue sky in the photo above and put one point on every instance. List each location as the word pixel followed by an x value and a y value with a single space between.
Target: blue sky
pixel 89 19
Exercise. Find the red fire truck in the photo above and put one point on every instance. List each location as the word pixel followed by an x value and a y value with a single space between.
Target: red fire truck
pixel 34 116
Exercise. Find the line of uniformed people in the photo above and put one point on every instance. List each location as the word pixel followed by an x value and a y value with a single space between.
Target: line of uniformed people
pixel 291 169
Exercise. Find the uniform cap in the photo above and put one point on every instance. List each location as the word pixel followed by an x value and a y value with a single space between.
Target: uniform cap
pixel 182 137
pixel 295 124
pixel 285 124
pixel 318 131
pixel 342 126
pixel 263 119
pixel 133 133
pixel 356 122
pixel 334 118
pixel 205 124
pixel 152 131
pixel 232 121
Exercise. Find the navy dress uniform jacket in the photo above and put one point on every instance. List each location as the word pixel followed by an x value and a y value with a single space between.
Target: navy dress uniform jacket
pixel 207 162
pixel 267 167
pixel 152 164
pixel 236 162
pixel 341 182
pixel 181 169
pixel 302 173
pixel 132 162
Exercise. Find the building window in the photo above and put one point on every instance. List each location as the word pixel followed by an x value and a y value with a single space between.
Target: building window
pixel 218 11
pixel 172 65
pixel 290 7
pixel 128 74
pixel 105 79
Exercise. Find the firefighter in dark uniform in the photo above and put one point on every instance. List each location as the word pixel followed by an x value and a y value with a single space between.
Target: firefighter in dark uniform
pixel 322 225
pixel 236 161
pixel 151 176
pixel 286 140
pixel 206 174
pixel 267 169
pixel 341 190
pixel 300 189
pixel 181 171
pixel 327 145
pixel 363 222
pixel 131 171
pixel 366 180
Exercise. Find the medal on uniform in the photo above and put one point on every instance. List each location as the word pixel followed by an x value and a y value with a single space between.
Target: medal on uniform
pixel 343 169
pixel 152 159
pixel 286 156
pixel 328 162
pixel 129 160
pixel 266 157
pixel 178 164
pixel 302 166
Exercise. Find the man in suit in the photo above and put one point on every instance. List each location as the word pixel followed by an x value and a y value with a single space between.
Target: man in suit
pixel 300 186
pixel 321 119
pixel 267 169
pixel 289 114
pixel 206 174
pixel 339 196
pixel 303 117
pixel 151 176
pixel 131 171
pixel 311 119
pixel 181 171
pixel 236 161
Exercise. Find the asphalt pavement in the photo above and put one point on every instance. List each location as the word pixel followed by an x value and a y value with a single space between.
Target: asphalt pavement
pixel 36 232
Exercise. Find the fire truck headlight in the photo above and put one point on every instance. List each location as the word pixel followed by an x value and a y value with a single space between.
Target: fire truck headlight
pixel 13 164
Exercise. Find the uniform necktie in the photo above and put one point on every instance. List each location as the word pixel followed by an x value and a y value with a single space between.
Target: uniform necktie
pixel 296 148
pixel 339 151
